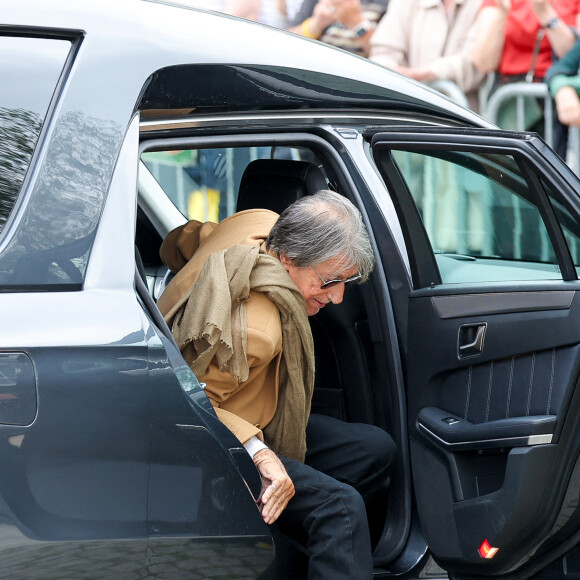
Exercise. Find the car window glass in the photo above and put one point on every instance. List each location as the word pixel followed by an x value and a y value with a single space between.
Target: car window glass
pixel 30 69
pixel 203 183
pixel 480 216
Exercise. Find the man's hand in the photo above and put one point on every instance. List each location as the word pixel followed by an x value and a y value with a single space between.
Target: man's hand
pixel 568 106
pixel 277 487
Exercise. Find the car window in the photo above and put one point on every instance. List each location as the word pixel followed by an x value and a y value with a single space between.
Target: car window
pixel 203 183
pixel 30 69
pixel 480 216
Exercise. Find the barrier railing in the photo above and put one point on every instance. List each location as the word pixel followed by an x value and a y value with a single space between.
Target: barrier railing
pixel 520 92
pixel 491 105
pixel 451 90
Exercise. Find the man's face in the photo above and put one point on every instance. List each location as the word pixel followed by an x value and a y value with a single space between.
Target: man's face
pixel 310 284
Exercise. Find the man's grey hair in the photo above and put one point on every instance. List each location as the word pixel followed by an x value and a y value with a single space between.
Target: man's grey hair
pixel 321 227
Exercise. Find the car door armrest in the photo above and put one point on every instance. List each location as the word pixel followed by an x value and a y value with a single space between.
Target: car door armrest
pixel 453 432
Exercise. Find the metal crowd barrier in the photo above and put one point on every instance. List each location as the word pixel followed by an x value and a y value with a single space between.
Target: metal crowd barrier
pixel 519 92
pixel 491 105
pixel 451 90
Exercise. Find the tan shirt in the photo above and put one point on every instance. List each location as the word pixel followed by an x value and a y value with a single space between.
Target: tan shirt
pixel 245 408
pixel 418 33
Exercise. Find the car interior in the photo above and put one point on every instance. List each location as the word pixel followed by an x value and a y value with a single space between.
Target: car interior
pixel 351 375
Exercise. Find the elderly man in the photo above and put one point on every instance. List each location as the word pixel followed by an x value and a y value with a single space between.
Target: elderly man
pixel 238 308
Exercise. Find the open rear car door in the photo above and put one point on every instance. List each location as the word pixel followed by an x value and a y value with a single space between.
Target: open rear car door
pixel 492 354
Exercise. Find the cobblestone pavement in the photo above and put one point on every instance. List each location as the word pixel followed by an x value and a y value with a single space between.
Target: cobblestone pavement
pixel 158 559
pixel 176 558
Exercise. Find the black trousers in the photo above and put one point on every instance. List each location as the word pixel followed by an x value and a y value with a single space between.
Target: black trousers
pixel 346 465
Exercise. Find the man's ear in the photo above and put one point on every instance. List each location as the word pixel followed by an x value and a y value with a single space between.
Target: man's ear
pixel 286 261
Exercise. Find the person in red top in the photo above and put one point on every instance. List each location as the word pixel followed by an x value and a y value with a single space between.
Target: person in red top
pixel 518 40
pixel 510 30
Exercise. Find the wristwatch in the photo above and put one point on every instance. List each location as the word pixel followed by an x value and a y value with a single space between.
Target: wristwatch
pixel 363 27
pixel 552 23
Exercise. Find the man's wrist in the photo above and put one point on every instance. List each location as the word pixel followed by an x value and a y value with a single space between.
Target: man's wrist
pixel 254 446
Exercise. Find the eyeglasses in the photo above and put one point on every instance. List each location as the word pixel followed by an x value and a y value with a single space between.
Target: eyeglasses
pixel 332 283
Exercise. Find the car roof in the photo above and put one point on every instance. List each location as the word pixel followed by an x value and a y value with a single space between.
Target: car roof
pixel 236 65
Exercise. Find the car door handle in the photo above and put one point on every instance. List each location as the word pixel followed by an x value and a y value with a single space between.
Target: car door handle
pixel 470 340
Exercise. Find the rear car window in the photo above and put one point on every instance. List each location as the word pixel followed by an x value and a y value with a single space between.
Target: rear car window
pixel 203 183
pixel 30 69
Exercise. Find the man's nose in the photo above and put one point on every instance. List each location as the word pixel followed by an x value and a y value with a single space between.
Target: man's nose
pixel 336 293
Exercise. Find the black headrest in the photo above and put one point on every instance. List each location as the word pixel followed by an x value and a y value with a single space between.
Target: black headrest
pixel 276 183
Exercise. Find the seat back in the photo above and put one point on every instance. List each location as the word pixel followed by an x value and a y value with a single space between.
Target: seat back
pixel 276 183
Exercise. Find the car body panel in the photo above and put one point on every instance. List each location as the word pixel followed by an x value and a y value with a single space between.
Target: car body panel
pixel 86 472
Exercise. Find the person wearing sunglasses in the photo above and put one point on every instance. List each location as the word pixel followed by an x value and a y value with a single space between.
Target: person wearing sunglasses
pixel 238 307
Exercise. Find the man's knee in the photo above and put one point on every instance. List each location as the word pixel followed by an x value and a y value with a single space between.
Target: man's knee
pixel 379 448
pixel 346 500
pixel 352 499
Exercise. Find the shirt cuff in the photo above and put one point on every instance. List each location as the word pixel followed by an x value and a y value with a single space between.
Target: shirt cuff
pixel 560 81
pixel 253 445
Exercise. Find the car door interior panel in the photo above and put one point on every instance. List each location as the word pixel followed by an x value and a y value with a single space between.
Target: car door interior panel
pixel 489 428
pixel 488 424
pixel 493 348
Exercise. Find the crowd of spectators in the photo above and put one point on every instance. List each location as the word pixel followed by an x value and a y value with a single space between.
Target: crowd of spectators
pixel 430 40
pixel 462 41
pixel 519 40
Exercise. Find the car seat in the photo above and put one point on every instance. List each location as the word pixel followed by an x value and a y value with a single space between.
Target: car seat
pixel 276 183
